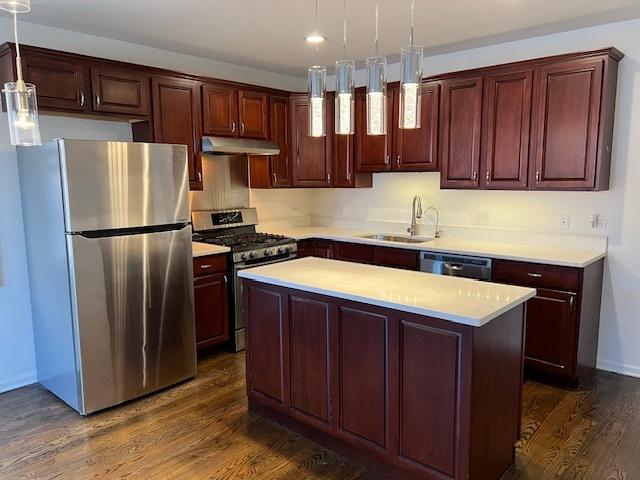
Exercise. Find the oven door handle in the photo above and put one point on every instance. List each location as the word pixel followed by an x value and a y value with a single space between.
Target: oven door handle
pixel 243 266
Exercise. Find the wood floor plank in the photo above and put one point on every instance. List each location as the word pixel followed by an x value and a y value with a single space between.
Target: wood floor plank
pixel 201 429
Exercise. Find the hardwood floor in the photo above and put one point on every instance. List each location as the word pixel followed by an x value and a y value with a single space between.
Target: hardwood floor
pixel 201 430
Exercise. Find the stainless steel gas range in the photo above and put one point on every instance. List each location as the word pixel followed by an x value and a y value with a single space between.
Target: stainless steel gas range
pixel 236 229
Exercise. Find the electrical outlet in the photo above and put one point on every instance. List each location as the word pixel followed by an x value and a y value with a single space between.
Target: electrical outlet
pixel 483 218
pixel 602 223
pixel 564 221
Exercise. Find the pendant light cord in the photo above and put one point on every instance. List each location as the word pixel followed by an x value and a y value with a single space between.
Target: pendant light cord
pixel 377 52
pixel 344 29
pixel 317 46
pixel 18 58
pixel 413 6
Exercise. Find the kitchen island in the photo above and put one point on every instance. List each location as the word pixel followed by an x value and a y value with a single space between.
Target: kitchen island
pixel 414 375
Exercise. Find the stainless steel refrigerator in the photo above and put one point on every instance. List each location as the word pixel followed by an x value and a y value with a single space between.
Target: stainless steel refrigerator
pixel 110 268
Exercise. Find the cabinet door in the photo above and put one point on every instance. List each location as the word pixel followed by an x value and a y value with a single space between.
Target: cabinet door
pixel 396 258
pixel 364 391
pixel 280 167
pixel 60 82
pixel 353 252
pixel 461 120
pixel 267 319
pixel 323 249
pixel 253 114
pixel 311 363
pixel 177 119
pixel 211 300
pixel 551 326
pixel 417 149
pixel 306 248
pixel 119 91
pixel 343 165
pixel 507 122
pixel 372 152
pixel 312 156
pixel 567 124
pixel 220 110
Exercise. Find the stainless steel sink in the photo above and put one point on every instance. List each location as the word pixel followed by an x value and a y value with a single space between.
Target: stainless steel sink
pixel 396 238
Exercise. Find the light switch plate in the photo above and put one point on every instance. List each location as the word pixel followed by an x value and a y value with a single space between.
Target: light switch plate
pixel 564 221
pixel 483 218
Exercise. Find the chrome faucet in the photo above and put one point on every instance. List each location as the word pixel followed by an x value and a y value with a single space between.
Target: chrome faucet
pixel 416 212
pixel 437 232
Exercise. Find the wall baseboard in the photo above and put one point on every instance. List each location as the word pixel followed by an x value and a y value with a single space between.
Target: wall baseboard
pixel 622 368
pixel 17 382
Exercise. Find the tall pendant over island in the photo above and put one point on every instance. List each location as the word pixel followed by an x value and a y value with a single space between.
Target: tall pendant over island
pixel 416 376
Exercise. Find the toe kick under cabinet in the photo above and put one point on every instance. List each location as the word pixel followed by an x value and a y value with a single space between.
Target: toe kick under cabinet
pixel 561 320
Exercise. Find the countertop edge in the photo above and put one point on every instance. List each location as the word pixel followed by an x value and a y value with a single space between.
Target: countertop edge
pixel 473 322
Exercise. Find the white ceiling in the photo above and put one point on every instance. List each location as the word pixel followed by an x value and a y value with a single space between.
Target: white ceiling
pixel 268 34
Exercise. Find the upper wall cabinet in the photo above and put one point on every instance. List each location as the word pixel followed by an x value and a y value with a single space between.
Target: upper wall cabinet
pixel 120 91
pixel 372 152
pixel 507 122
pixel 232 112
pixel 544 124
pixel 177 119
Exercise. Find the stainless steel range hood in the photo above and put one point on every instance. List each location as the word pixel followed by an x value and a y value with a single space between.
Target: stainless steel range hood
pixel 238 146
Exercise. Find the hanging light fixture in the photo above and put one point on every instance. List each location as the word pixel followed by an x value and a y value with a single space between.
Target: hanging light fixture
pixel 22 107
pixel 317 85
pixel 376 88
pixel 410 81
pixel 345 72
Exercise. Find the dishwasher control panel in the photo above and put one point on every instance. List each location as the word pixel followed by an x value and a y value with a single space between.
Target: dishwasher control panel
pixel 456 265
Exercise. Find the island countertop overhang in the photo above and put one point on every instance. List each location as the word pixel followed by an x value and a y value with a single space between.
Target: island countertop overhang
pixel 459 300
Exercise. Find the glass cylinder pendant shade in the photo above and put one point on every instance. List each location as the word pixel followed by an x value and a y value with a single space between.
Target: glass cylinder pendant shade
pixel 344 107
pixel 317 107
pixel 22 110
pixel 376 96
pixel 410 86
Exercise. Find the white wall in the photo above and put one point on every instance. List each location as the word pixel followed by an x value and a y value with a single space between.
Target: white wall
pixel 17 364
pixel 389 199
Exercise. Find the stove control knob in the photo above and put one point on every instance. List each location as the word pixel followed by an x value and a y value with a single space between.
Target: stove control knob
pixel 251 254
pixel 267 252
pixel 243 256
pixel 282 250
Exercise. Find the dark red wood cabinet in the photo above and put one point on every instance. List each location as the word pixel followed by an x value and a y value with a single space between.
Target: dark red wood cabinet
pixel 372 152
pixel 352 377
pixel 211 297
pixel 311 157
pixel 353 252
pixel 507 124
pixel 562 320
pixel 460 126
pixel 120 91
pixel 235 112
pixel 177 118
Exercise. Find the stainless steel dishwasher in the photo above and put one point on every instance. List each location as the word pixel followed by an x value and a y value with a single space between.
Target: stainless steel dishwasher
pixel 456 265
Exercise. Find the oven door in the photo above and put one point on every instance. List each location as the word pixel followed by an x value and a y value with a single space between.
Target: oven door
pixel 238 317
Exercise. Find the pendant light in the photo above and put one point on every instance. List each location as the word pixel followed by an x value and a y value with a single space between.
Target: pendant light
pixel 317 85
pixel 22 107
pixel 345 72
pixel 410 81
pixel 376 88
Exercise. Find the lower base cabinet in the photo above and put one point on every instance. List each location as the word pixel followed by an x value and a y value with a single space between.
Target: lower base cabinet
pixel 413 397
pixel 211 300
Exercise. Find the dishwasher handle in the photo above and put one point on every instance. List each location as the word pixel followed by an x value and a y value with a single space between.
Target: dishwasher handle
pixel 454 267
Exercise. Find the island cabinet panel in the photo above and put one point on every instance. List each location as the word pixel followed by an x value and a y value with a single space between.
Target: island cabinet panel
pixel 505 150
pixel 364 392
pixel 567 122
pixel 311 362
pixel 396 258
pixel 120 91
pixel 389 389
pixel 268 355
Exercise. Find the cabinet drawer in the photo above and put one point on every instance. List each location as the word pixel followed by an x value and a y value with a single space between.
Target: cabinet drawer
pixel 395 258
pixel 536 275
pixel 209 264
pixel 353 252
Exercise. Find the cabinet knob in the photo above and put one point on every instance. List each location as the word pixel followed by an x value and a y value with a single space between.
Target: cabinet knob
pixel 328 177
pixel 275 178
pixel 488 176
pixel 475 175
pixel 82 99
pixel 386 160
pixel 242 126
pixel 233 127
pixel 98 99
pixel 534 275
pixel 537 176
pixel 200 177
pixel 398 159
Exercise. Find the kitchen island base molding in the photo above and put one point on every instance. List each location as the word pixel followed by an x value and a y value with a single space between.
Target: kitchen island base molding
pixel 410 396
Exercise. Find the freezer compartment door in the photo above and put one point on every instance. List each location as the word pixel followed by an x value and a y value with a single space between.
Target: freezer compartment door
pixel 118 185
pixel 133 299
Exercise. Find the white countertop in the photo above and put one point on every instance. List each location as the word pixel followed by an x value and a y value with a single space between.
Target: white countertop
pixel 459 300
pixel 547 254
pixel 203 249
